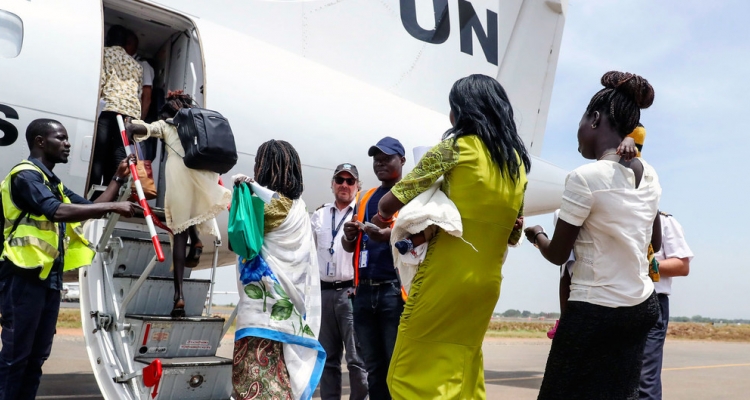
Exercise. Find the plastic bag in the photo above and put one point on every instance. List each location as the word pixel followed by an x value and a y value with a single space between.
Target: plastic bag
pixel 245 227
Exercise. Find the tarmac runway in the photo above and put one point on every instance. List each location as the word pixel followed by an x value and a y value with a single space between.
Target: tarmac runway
pixel 513 369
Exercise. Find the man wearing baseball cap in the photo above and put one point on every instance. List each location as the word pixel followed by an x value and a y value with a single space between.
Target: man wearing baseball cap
pixel 336 285
pixel 377 302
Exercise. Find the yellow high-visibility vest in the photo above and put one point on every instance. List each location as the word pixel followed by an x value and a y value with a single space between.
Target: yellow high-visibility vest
pixel 31 241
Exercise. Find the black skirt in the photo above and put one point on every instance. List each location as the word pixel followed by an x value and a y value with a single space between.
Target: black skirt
pixel 597 351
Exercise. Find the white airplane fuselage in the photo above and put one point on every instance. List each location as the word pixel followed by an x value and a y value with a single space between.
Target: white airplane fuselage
pixel 331 78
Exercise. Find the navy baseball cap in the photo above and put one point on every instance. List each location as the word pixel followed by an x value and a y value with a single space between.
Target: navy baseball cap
pixel 387 145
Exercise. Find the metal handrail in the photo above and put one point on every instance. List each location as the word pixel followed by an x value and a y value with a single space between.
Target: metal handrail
pixel 229 321
pixel 217 244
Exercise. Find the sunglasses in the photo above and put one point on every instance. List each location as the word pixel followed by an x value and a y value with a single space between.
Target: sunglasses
pixel 349 181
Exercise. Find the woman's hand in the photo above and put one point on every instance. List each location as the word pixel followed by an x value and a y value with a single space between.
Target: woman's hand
pixel 378 234
pixel 532 232
pixel 240 178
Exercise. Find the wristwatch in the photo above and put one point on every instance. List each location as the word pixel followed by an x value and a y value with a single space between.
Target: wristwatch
pixel 119 180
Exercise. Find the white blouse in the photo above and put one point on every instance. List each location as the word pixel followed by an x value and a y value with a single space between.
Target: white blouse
pixel 616 221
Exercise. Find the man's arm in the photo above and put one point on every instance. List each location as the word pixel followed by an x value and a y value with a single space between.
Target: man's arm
pixel 82 211
pixel 31 194
pixel 674 267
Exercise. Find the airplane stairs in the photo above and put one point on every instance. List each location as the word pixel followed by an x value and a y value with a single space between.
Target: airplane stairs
pixel 126 298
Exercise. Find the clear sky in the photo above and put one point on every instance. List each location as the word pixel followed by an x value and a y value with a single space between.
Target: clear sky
pixel 696 56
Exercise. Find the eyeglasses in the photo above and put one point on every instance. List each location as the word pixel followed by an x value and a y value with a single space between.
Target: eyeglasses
pixel 349 181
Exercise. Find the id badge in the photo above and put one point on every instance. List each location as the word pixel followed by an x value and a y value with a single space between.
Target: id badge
pixel 331 268
pixel 363 259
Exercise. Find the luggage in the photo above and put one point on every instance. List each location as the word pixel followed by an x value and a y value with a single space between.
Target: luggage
pixel 207 139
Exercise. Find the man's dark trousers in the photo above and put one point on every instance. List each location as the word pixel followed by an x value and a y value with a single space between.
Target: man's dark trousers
pixel 337 334
pixel 650 386
pixel 29 316
pixel 377 312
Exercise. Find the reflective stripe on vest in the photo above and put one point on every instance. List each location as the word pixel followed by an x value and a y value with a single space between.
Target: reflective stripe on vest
pixel 35 240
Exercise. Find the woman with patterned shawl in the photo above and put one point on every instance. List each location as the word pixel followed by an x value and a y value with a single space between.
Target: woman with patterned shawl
pixel 276 353
pixel 438 351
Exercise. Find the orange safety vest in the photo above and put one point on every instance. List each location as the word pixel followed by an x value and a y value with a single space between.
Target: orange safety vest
pixel 361 205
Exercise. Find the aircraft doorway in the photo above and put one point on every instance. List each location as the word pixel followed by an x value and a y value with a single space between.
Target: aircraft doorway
pixel 170 45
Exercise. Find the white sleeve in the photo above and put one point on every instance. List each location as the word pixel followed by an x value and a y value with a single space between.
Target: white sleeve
pixel 148 74
pixel 315 221
pixel 577 200
pixel 673 243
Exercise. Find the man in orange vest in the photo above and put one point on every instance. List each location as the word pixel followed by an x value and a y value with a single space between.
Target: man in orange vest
pixel 377 303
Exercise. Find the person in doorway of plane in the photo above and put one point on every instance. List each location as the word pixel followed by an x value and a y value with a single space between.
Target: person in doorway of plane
pixel 120 89
pixel 598 347
pixel 42 238
pixel 193 198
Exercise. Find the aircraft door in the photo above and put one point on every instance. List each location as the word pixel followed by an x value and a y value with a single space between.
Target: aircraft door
pixel 186 65
pixel 54 75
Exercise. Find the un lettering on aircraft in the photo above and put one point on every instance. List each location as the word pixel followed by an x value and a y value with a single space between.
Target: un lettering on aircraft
pixel 469 25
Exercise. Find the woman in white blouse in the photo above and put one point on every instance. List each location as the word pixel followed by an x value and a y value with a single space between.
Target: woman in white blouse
pixel 608 213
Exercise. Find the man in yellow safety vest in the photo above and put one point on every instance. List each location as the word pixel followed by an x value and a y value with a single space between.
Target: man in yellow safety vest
pixel 42 238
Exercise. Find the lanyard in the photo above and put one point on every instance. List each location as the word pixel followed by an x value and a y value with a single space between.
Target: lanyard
pixel 334 232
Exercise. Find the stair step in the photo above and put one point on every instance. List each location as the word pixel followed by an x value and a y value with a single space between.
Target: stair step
pixel 156 295
pixel 155 336
pixel 136 253
pixel 193 377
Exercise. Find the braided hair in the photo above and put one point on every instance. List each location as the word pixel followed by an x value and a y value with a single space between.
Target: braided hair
pixel 175 101
pixel 481 107
pixel 277 167
pixel 621 100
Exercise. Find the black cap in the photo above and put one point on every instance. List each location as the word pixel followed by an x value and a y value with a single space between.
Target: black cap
pixel 346 167
pixel 387 145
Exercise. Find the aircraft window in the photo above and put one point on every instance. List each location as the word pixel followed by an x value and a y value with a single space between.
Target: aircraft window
pixel 11 34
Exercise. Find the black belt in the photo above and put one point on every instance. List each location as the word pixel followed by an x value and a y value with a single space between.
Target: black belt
pixel 338 285
pixel 370 282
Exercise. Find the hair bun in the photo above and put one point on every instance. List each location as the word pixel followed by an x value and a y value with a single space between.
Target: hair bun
pixel 633 86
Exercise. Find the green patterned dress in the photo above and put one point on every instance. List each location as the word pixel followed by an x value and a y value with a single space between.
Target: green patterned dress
pixel 438 352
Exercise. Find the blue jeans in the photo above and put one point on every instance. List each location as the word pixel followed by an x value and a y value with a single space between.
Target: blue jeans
pixel 377 312
pixel 653 355
pixel 29 315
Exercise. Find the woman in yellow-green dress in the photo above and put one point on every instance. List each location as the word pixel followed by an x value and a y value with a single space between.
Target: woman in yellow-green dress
pixel 438 353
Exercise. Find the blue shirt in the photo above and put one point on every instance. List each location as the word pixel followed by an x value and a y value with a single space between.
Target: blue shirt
pixel 379 256
pixel 32 195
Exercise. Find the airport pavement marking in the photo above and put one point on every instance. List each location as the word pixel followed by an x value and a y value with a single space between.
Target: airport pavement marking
pixel 513 379
pixel 705 367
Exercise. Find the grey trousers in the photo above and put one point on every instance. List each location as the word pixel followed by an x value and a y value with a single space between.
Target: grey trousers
pixel 337 334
